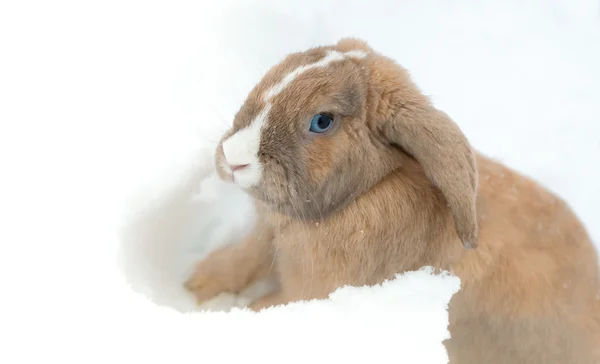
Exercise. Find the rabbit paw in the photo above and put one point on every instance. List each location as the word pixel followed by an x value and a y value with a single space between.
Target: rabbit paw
pixel 216 274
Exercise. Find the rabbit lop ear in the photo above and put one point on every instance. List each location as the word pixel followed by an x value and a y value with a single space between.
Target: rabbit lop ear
pixel 447 158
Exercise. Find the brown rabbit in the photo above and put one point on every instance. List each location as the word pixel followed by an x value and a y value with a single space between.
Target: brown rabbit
pixel 356 177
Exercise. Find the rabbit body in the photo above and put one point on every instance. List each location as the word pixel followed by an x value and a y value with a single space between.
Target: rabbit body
pixel 528 269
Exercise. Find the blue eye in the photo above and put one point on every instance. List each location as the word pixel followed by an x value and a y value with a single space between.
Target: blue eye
pixel 320 123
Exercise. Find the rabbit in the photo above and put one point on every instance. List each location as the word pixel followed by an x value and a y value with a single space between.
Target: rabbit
pixel 356 177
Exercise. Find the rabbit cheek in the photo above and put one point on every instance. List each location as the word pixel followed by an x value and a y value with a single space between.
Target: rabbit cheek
pixel 319 160
pixel 274 187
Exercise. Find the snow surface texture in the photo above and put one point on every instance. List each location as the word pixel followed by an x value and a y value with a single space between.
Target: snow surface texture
pixel 110 112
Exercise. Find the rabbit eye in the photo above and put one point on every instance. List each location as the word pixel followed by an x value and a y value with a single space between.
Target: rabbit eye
pixel 320 123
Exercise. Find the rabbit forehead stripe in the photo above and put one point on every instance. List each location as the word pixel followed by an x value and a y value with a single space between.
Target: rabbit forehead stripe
pixel 242 147
pixel 331 56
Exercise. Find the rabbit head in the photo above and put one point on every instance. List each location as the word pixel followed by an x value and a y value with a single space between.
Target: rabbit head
pixel 325 125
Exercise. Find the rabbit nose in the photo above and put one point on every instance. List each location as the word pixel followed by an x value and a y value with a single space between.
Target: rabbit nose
pixel 236 167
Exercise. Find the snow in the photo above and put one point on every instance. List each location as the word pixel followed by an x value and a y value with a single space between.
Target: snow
pixel 109 114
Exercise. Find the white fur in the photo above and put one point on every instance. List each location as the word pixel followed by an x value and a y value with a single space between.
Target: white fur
pixel 323 62
pixel 242 147
pixel 356 54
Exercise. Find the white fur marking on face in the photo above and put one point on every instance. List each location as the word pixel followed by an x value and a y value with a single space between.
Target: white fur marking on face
pixel 356 54
pixel 243 147
pixel 323 62
pixel 331 56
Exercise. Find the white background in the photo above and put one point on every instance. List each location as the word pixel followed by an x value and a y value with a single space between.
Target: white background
pixel 104 106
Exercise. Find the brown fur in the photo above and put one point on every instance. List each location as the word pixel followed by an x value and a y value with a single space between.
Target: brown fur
pixel 395 186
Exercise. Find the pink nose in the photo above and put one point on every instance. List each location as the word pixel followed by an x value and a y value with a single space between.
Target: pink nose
pixel 237 167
